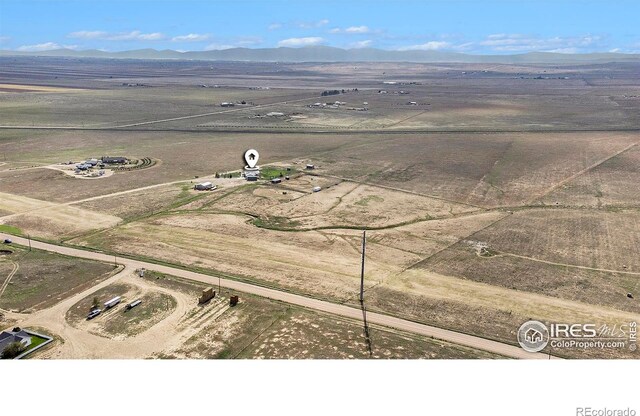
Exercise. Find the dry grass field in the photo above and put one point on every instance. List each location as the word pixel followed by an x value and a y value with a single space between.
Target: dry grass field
pixel 43 279
pixel 537 164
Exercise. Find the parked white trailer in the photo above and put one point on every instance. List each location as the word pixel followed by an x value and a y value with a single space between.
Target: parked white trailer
pixel 113 302
pixel 133 304
pixel 204 186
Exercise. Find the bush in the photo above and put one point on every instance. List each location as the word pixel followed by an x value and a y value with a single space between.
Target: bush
pixel 13 350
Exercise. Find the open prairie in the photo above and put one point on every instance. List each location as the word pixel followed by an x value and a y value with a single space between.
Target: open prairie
pixel 491 195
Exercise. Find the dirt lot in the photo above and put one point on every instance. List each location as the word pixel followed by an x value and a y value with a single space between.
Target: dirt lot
pixel 117 322
pixel 44 279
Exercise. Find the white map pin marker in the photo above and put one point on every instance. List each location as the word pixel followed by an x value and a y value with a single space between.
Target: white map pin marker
pixel 251 157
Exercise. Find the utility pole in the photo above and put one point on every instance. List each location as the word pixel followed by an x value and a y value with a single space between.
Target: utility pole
pixel 115 260
pixel 219 287
pixel 364 246
pixel 29 237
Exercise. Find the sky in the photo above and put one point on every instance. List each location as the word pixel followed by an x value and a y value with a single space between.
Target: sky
pixel 476 27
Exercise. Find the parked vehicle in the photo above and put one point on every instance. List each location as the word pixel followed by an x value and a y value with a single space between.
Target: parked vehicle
pixel 93 314
pixel 7 241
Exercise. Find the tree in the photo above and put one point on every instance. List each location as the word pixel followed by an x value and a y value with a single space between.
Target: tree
pixel 95 304
pixel 13 350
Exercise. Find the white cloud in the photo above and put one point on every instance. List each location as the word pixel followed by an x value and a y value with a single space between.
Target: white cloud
pixel 274 26
pixel 296 42
pixel 191 37
pixel 351 30
pixel 134 35
pixel 4 39
pixel 429 46
pixel 47 46
pixel 517 42
pixel 361 44
pixel 357 29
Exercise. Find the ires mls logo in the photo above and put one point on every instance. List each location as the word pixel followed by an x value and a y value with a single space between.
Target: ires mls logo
pixel 533 336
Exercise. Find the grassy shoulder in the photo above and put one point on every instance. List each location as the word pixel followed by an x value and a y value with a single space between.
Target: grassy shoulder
pixel 44 278
pixel 10 229
pixel 174 283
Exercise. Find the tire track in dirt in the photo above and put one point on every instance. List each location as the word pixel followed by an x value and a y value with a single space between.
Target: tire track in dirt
pixel 16 267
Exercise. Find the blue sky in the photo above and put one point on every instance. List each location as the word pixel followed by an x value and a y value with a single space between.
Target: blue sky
pixel 479 27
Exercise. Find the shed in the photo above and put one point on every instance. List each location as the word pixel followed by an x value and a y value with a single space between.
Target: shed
pixel 204 186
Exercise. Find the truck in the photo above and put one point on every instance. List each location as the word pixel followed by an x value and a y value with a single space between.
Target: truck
pixel 113 302
pixel 93 314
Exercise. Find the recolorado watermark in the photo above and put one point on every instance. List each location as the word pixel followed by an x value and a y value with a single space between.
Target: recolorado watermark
pixel 590 411
pixel 534 336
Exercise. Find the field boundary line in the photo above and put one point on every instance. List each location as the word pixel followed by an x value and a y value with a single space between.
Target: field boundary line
pixel 391 188
pixel 582 172
pixel 575 266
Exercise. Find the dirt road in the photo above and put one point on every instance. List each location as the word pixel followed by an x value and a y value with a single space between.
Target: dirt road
pixel 320 305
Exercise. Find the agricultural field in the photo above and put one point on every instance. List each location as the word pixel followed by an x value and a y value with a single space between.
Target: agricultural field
pixel 491 195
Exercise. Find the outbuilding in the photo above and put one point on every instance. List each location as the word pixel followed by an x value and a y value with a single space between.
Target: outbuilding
pixel 114 160
pixel 204 186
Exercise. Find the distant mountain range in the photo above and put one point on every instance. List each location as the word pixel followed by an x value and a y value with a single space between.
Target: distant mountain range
pixel 331 54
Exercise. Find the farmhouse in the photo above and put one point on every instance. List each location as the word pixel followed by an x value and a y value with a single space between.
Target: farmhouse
pixel 114 159
pixel 17 335
pixel 252 175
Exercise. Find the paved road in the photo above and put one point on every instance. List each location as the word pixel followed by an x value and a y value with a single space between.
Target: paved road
pixel 316 304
